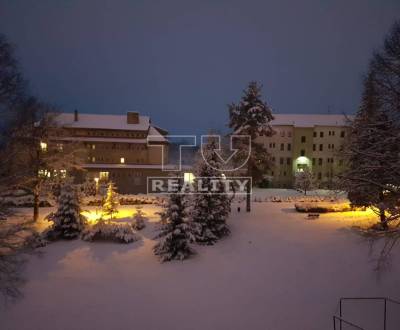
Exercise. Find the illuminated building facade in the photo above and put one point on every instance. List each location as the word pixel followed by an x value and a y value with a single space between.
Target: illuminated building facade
pixel 303 140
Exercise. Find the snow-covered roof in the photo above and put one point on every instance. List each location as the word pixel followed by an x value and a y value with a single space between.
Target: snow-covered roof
pixel 310 120
pixel 100 121
pixel 137 166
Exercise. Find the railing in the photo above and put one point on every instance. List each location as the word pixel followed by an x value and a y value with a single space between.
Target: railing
pixel 343 321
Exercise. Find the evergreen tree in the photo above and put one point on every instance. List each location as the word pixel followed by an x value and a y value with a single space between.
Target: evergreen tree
pixel 138 221
pixel 210 209
pixel 67 220
pixel 252 117
pixel 176 233
pixel 304 180
pixel 110 204
pixel 372 177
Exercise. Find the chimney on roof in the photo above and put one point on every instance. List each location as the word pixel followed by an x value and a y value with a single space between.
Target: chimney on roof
pixel 132 117
pixel 75 115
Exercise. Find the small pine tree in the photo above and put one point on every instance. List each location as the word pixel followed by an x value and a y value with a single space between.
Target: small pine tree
pixel 139 218
pixel 110 203
pixel 211 209
pixel 175 234
pixel 67 220
pixel 304 180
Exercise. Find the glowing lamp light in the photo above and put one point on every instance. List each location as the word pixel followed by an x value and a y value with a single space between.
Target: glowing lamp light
pixel 43 146
pixel 302 160
pixel 188 177
pixel 122 160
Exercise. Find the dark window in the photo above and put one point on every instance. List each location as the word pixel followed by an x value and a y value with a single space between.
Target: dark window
pixel 281 161
pixel 319 161
pixel 333 133
pixel 289 147
pixel 313 161
pixel 302 153
pixel 315 134
pixel 321 134
pixel 321 147
pixel 342 134
pixel 282 147
pixel 314 147
pixel 303 139
pixel 319 176
pixel 288 161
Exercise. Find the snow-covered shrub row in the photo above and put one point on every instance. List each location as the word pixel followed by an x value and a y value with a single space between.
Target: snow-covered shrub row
pixel 109 231
pixel 323 207
pixel 125 200
pixel 25 201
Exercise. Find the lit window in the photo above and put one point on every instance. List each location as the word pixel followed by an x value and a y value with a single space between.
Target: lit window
pixel 93 159
pixel 104 175
pixel 60 146
pixel 44 173
pixel 63 173
pixel 122 160
pixel 43 146
pixel 188 177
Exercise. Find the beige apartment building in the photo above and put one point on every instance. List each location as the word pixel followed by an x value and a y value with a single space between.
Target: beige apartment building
pixel 123 148
pixel 305 140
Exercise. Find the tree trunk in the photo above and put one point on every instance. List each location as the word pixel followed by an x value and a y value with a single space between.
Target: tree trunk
pixel 248 193
pixel 382 214
pixel 382 217
pixel 35 205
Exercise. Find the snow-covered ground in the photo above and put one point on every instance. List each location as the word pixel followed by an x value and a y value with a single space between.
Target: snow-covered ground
pixel 276 271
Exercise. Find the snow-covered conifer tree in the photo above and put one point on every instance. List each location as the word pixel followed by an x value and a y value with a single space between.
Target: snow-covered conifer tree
pixel 110 204
pixel 304 180
pixel 252 117
pixel 67 220
pixel 372 176
pixel 176 233
pixel 139 218
pixel 210 209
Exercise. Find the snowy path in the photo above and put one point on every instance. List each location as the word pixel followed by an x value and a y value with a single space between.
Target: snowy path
pixel 277 271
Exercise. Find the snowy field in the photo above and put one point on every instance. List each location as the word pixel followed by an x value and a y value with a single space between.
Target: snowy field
pixel 276 271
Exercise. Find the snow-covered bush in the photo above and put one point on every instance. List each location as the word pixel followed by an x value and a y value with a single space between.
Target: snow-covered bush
pixel 176 232
pixel 105 230
pixel 67 220
pixel 323 207
pixel 138 219
pixel 304 180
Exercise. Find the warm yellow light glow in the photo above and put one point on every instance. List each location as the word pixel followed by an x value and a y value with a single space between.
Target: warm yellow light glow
pixel 104 175
pixel 122 160
pixel 188 177
pixel 302 160
pixel 94 216
pixel 43 146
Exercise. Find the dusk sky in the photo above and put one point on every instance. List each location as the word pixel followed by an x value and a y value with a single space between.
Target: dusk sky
pixel 181 62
